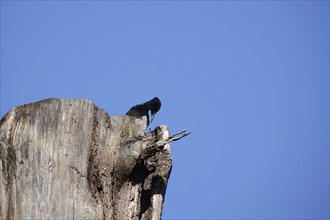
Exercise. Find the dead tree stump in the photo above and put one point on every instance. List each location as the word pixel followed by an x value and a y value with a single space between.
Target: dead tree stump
pixel 68 159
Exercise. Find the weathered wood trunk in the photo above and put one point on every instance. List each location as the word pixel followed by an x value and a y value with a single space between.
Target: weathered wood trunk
pixel 68 159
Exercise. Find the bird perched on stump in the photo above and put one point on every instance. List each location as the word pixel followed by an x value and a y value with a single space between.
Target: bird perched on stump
pixel 141 110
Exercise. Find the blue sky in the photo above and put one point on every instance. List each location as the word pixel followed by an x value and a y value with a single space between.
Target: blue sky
pixel 249 79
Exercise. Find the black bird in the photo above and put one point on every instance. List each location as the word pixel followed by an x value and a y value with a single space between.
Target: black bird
pixel 141 110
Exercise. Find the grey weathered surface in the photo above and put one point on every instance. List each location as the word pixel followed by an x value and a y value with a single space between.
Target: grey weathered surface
pixel 67 158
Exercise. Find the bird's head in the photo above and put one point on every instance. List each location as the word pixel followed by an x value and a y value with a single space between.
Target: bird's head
pixel 154 108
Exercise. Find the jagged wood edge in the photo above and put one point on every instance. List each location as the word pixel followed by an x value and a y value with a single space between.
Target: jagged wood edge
pixel 152 148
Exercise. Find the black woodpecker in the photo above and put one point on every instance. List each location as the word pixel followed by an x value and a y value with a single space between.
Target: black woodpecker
pixel 141 110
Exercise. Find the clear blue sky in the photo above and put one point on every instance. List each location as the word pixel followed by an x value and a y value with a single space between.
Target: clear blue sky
pixel 250 79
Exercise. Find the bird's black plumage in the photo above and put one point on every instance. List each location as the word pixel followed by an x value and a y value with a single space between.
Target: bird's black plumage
pixel 141 110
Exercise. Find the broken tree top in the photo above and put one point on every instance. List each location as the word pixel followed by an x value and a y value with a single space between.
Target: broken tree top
pixel 67 158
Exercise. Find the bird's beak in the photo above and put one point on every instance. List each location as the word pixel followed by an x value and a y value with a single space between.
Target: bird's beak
pixel 152 117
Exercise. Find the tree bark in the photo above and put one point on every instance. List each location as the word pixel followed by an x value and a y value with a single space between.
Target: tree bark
pixel 68 159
